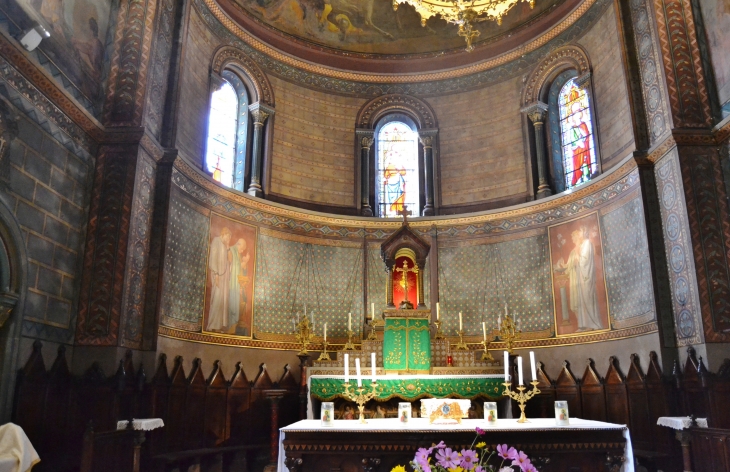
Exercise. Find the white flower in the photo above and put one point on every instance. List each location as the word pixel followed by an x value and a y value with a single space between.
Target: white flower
pixel 506 469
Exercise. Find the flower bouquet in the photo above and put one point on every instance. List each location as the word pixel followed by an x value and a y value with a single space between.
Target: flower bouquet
pixel 478 458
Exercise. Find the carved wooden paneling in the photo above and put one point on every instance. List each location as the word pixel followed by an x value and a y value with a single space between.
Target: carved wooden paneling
pixel 694 399
pixel 617 402
pixel 289 405
pixel 216 407
pixel 543 404
pixel 30 392
pixel 593 394
pixel 195 408
pixel 567 388
pixel 259 413
pixel 55 409
pixel 156 397
pixel 639 423
pixel 658 390
pixel 239 397
pixel 710 449
pixel 174 421
pixel 719 395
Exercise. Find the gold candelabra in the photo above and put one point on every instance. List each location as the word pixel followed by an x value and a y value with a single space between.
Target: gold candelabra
pixel 304 335
pixel 521 396
pixel 360 396
pixel 461 345
pixel 508 332
pixel 349 345
pixel 486 355
pixel 439 334
pixel 372 336
pixel 324 355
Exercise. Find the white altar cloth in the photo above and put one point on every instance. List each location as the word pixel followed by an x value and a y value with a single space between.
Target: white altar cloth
pixel 310 412
pixel 680 422
pixel 145 424
pixel 421 424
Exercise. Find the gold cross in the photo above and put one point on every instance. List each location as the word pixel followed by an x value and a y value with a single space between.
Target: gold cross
pixel 404 271
pixel 405 213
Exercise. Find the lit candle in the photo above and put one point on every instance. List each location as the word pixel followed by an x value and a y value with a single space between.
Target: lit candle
pixel 532 365
pixel 372 363
pixel 372 310
pixel 506 366
pixel 325 332
pixel 519 370
pixel 357 372
pixel 438 311
pixel 484 329
pixel 349 321
pixel 461 325
pixel 347 368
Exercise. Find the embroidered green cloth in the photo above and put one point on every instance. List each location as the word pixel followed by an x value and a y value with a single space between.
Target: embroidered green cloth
pixel 407 345
pixel 326 389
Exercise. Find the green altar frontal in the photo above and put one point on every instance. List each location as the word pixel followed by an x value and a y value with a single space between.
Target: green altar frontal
pixel 410 389
pixel 407 342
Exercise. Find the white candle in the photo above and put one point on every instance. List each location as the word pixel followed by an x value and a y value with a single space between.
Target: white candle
pixel 347 368
pixel 372 310
pixel 325 332
pixel 499 322
pixel 438 311
pixel 305 310
pixel 357 372
pixel 519 370
pixel 505 308
pixel 349 321
pixel 532 365
pixel 506 366
pixel 372 363
pixel 484 329
pixel 461 325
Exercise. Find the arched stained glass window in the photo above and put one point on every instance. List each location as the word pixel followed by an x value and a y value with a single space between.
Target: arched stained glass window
pixel 222 130
pixel 579 154
pixel 397 177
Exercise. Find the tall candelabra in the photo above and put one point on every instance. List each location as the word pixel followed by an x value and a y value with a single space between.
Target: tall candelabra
pixel 304 335
pixel 349 345
pixel 439 334
pixel 360 396
pixel 372 336
pixel 461 345
pixel 324 355
pixel 486 355
pixel 508 332
pixel 521 396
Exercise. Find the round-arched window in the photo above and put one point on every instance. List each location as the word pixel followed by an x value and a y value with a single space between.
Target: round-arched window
pixel 397 177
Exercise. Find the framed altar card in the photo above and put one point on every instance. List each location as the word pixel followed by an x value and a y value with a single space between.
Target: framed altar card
pixel 407 342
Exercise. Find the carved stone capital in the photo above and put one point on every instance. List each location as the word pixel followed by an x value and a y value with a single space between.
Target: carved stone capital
pixel 536 112
pixel 427 141
pixel 583 81
pixel 259 113
pixel 366 142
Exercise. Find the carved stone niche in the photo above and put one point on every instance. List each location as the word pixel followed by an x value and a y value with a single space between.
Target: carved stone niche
pixel 404 242
pixel 8 132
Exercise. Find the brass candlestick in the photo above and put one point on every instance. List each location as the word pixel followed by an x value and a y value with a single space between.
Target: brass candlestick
pixel 461 345
pixel 360 396
pixel 324 356
pixel 508 332
pixel 486 355
pixel 304 335
pixel 372 336
pixel 521 396
pixel 349 345
pixel 439 334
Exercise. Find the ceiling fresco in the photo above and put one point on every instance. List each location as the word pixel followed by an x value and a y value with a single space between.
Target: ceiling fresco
pixel 371 27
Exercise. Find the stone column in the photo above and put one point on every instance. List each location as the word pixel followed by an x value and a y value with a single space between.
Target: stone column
pixel 419 278
pixel 389 287
pixel 274 396
pixel 537 113
pixel 366 140
pixel 259 113
pixel 426 136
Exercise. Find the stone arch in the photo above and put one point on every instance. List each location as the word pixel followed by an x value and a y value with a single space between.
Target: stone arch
pixel 419 110
pixel 252 75
pixel 566 57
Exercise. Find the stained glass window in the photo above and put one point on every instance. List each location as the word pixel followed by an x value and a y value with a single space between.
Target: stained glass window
pixel 397 170
pixel 222 127
pixel 579 154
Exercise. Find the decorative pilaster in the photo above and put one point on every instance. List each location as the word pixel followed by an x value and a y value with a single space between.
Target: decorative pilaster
pixel 366 140
pixel 537 112
pixel 419 278
pixel 389 288
pixel 427 138
pixel 259 113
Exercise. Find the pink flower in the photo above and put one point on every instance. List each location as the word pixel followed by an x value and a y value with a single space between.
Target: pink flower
pixel 505 452
pixel 480 431
pixel 529 468
pixel 422 455
pixel 469 458
pixel 440 445
pixel 521 460
pixel 447 458
pixel 479 469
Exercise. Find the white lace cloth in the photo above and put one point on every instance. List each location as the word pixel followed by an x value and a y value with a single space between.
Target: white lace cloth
pixel 680 422
pixel 146 424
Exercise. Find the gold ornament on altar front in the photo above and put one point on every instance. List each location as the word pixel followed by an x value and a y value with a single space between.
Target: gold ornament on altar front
pixel 464 13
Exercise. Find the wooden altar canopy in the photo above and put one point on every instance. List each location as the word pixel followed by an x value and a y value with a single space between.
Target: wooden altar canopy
pixel 381 444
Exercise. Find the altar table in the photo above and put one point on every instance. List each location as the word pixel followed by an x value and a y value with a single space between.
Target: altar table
pixel 410 387
pixel 381 444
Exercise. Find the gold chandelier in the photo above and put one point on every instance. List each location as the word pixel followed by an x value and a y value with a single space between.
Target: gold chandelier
pixel 464 13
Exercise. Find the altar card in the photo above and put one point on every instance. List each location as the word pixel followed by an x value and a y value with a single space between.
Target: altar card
pixel 407 345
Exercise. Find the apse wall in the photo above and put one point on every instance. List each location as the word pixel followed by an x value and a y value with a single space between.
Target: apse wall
pixel 482 261
pixel 483 152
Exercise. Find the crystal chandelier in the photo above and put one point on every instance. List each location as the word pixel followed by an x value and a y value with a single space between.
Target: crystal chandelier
pixel 464 13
